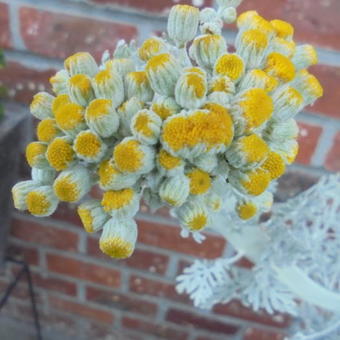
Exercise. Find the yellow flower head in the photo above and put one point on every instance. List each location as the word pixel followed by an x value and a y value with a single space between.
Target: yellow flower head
pixel 280 67
pixel 252 20
pixel 133 157
pixel 174 190
pixel 20 192
pixel 246 209
pixel 35 155
pixel 169 162
pixel 222 84
pixel 137 84
pixel 193 216
pixel 92 215
pixel 255 38
pixel 73 184
pixel 60 154
pixel 80 89
pixel 41 105
pixel 47 130
pixel 59 101
pixel 257 78
pixel 121 66
pixel 200 181
pixel 285 47
pixel 89 146
pixel 41 201
pixel 165 107
pixel 230 65
pixel 283 29
pixel 150 48
pixel 70 118
pixel 118 238
pixel 305 56
pixel 275 165
pixel 81 62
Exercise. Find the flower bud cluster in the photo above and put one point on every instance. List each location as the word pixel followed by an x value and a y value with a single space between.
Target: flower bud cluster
pixel 168 126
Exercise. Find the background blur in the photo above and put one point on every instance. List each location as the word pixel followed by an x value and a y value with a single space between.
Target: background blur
pixel 81 293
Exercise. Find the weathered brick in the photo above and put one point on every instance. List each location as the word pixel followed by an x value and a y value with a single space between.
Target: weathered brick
pixel 329 103
pixel 81 310
pixel 161 289
pixel 22 82
pixel 260 334
pixel 68 213
pixel 40 232
pixel 5 35
pixel 160 6
pixel 196 321
pixel 315 21
pixel 237 310
pixel 59 35
pixel 55 284
pixel 308 139
pixel 25 253
pixel 292 183
pixel 83 270
pixel 169 237
pixel 333 156
pixel 156 329
pixel 120 301
pixel 141 259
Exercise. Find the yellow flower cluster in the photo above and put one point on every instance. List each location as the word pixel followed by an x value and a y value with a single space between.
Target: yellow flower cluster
pixel 167 122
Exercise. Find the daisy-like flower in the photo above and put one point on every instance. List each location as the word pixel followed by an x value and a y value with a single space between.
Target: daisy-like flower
pixel 206 49
pixel 92 215
pixel 305 56
pixel 169 164
pixel 137 85
pixel 193 216
pixel 35 155
pixel 121 204
pixel 60 154
pixel 41 105
pixel 288 150
pixel 126 112
pixel 257 78
pixel 81 63
pixel 175 190
pixel 230 65
pixel 72 184
pixel 146 126
pixel 247 152
pixel 101 117
pixel 118 238
pixel 20 192
pixel 221 84
pixel 280 67
pixel 89 146
pixel 70 119
pixel 133 157
pixel 213 201
pixel 183 23
pixel 110 178
pixel 274 164
pixel 41 201
pixel 109 85
pixel 59 101
pixel 246 209
pixel 47 130
pixel 80 89
pixel 151 47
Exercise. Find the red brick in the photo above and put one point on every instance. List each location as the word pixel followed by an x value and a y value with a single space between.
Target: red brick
pixel 308 139
pixel 81 310
pixel 68 213
pixel 55 284
pixel 196 321
pixel 329 77
pixel 23 253
pixel 315 21
pixel 164 236
pixel 259 334
pixel 22 82
pixel 120 301
pixel 141 259
pixel 235 309
pixel 144 286
pixel 5 35
pixel 83 270
pixel 60 35
pixel 244 263
pixel 44 234
pixel 159 6
pixel 159 331
pixel 333 156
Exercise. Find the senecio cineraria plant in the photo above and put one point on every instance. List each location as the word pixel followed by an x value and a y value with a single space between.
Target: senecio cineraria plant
pixel 181 122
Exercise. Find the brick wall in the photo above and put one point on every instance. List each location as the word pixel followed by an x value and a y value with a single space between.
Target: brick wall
pixel 83 294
